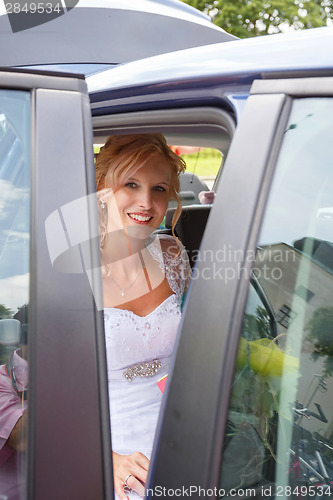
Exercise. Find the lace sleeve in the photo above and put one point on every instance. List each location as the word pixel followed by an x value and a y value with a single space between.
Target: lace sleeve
pixel 173 261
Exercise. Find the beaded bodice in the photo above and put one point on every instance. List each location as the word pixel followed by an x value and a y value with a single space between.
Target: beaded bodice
pixel 133 339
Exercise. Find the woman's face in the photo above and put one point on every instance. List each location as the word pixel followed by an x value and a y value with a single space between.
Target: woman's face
pixel 143 199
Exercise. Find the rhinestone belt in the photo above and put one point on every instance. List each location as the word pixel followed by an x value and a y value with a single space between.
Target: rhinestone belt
pixel 146 369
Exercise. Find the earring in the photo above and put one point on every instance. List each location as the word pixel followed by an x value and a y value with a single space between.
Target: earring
pixel 103 220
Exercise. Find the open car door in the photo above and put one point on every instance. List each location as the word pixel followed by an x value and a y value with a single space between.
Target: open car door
pixel 49 325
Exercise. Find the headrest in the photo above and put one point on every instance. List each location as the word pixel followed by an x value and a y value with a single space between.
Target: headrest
pixel 187 212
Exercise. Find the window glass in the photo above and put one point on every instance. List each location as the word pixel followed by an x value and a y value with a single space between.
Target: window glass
pixel 196 188
pixel 14 287
pixel 203 162
pixel 280 426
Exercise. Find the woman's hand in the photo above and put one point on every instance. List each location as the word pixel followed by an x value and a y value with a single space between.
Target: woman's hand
pixel 136 467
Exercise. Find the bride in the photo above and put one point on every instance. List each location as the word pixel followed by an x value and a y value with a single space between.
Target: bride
pixel 144 279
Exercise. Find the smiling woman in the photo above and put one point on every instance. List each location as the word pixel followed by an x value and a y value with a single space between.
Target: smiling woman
pixel 144 198
pixel 144 279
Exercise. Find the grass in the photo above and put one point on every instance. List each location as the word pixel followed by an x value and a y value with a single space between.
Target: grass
pixel 205 163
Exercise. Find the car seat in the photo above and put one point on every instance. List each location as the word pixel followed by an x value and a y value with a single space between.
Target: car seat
pixel 190 187
pixel 190 227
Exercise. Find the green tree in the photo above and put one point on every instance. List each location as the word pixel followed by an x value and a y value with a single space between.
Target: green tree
pixel 321 334
pixel 257 326
pixel 245 18
pixel 5 313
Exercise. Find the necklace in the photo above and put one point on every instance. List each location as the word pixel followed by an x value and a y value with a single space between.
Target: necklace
pixel 123 290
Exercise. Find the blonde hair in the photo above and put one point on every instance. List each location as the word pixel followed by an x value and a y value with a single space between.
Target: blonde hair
pixel 122 155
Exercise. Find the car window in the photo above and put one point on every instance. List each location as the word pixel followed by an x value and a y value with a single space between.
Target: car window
pixel 203 162
pixel 279 435
pixel 14 286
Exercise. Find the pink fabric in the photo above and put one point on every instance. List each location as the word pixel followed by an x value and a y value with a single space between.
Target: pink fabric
pixel 11 409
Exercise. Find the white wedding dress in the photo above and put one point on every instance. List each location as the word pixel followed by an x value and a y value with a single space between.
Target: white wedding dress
pixel 132 340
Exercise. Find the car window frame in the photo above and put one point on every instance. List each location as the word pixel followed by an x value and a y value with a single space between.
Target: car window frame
pixel 186 428
pixel 193 124
pixel 55 466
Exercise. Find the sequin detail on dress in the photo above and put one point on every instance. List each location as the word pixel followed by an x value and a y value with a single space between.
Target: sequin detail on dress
pixel 146 369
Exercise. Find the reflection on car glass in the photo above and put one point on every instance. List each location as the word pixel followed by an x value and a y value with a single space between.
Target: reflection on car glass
pixel 305 149
pixel 14 287
pixel 283 384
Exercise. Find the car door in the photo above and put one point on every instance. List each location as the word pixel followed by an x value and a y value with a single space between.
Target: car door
pixel 248 410
pixel 48 295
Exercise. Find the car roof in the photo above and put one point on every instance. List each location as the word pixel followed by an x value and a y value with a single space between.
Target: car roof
pixel 236 62
pixel 107 32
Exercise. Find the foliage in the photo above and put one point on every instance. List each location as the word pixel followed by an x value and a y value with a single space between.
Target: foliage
pixel 245 18
pixel 321 333
pixel 259 325
pixel 5 312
